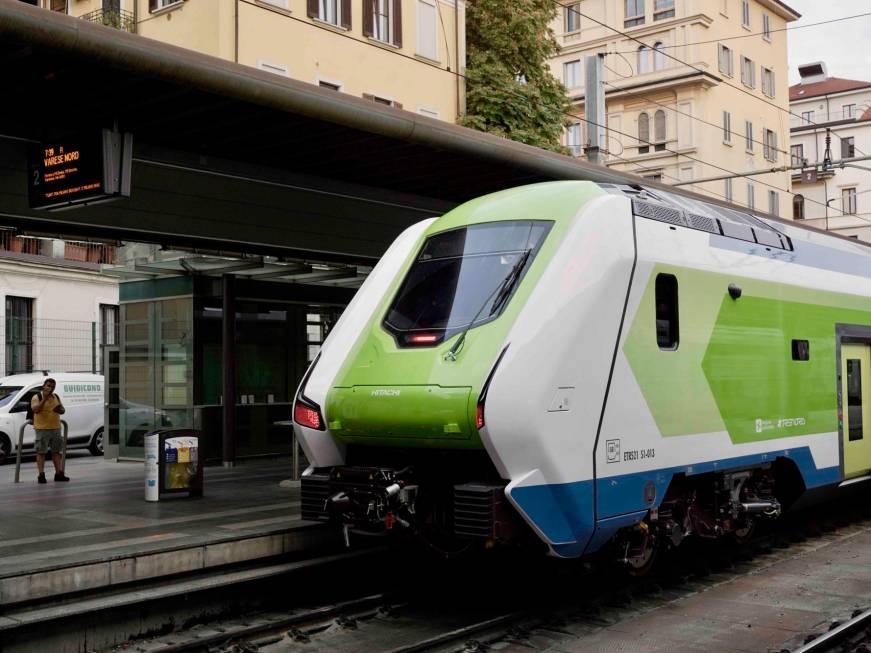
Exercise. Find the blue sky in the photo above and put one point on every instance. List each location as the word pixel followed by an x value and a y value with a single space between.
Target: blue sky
pixel 844 46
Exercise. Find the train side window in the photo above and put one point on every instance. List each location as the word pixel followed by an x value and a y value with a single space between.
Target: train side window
pixel 667 325
pixel 801 350
pixel 854 398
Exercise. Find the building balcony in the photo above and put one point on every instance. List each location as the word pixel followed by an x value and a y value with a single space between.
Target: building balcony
pixel 49 249
pixel 119 19
pixel 820 119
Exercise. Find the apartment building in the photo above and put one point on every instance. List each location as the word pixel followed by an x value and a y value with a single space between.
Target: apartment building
pixel 832 120
pixel 694 89
pixel 404 53
pixel 58 309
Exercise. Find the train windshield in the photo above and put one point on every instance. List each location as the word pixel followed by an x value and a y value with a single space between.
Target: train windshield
pixel 462 276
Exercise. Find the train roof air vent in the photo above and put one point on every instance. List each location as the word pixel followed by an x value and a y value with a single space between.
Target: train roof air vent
pixel 658 212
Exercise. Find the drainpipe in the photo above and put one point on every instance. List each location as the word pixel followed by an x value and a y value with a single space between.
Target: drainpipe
pixel 457 65
pixel 236 28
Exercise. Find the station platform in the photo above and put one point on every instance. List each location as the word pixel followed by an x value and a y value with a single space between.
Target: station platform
pixel 97 532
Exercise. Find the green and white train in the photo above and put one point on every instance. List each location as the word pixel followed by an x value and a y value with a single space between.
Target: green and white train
pixel 595 364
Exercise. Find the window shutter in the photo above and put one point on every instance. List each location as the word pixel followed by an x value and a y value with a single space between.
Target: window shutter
pixel 368 96
pixel 152 5
pixel 346 14
pixel 397 23
pixel 368 17
pixel 312 8
pixel 398 105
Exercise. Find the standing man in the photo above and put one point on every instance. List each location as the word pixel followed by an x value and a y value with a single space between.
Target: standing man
pixel 47 409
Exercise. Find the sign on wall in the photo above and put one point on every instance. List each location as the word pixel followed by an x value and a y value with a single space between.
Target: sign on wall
pixel 80 170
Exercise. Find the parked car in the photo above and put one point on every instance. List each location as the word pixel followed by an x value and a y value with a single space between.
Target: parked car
pixel 82 395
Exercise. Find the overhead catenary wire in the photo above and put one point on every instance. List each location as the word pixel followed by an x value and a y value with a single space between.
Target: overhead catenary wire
pixel 277 11
pixel 689 65
pixel 719 128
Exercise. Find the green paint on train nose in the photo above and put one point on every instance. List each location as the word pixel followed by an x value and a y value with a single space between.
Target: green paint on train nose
pixel 733 369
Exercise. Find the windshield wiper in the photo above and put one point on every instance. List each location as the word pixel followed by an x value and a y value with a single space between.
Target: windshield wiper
pixel 501 292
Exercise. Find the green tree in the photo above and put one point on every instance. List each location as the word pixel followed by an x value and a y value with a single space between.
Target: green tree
pixel 510 90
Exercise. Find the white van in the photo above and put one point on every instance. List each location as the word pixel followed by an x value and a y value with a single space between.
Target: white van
pixel 82 396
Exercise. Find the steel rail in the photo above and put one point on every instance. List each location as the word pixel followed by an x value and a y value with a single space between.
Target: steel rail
pixel 459 633
pixel 824 642
pixel 301 618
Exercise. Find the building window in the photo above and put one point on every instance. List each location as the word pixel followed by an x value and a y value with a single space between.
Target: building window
pixel 773 202
pixel 108 324
pixel 725 60
pixel 748 136
pixel 329 85
pixel 656 176
pixel 330 11
pixel 429 113
pixel 643 59
pixel 663 9
pixel 643 133
pixel 573 18
pixel 382 20
pixel 796 153
pixel 808 117
pixel 745 13
pixel 849 111
pixel 659 56
pixel 659 131
pixel 727 127
pixel 769 144
pixel 798 207
pixel 848 201
pixel 667 323
pixel 61 6
pixel 751 196
pixel 427 29
pixel 573 138
pixel 766 27
pixel 155 5
pixel 848 147
pixel 382 100
pixel 270 67
pixel 572 74
pixel 727 190
pixel 19 335
pixel 634 13
pixel 768 82
pixel 748 72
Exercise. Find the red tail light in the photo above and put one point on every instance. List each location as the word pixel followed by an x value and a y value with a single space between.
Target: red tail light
pixel 423 339
pixel 307 416
pixel 479 416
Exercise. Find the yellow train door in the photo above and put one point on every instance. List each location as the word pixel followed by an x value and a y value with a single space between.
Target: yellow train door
pixel 856 408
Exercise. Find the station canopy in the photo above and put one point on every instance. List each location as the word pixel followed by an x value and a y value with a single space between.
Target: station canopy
pixel 233 159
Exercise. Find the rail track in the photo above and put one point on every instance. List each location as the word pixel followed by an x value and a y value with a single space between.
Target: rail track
pixel 515 603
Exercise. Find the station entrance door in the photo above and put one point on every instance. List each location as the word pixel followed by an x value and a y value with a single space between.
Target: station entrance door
pixel 856 407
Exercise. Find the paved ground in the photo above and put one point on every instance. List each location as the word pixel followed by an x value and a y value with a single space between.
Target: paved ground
pixel 101 513
pixel 770 609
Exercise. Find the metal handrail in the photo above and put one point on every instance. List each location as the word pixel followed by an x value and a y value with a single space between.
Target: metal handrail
pixel 63 455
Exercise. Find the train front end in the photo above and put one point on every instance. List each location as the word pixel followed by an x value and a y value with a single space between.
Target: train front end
pixel 393 414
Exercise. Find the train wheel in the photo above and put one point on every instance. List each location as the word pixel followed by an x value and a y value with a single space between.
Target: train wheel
pixel 639 561
pixel 743 534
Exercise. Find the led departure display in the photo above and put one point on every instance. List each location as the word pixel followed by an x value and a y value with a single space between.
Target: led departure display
pixel 81 170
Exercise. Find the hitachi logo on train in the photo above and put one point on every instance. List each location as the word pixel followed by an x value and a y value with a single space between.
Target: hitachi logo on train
pixel 385 392
pixel 82 387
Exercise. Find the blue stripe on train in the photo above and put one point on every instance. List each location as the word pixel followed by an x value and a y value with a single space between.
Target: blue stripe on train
pixel 563 512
